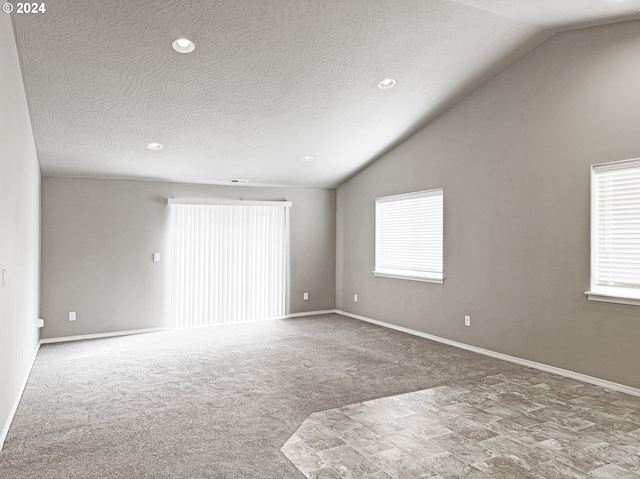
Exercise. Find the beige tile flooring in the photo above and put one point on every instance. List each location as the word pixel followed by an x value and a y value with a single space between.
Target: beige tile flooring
pixel 517 425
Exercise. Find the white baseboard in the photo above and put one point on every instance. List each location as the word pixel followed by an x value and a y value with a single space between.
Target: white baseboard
pixel 311 313
pixel 292 315
pixel 80 337
pixel 513 359
pixel 16 403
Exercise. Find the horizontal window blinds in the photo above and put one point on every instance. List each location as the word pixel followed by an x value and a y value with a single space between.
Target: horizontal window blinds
pixel 409 235
pixel 228 263
pixel 616 236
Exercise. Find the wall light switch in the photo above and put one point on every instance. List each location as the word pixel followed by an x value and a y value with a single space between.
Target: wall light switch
pixel 156 256
pixel 72 315
pixel 306 296
pixel 467 320
pixel 355 298
pixel 4 278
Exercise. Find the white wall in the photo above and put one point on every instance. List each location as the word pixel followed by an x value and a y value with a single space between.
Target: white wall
pixel 514 161
pixel 98 237
pixel 19 229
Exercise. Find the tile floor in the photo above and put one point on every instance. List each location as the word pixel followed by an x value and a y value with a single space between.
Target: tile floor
pixel 518 425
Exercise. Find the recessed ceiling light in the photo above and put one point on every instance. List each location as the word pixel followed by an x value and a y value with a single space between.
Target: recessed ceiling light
pixel 306 159
pixel 386 84
pixel 183 45
pixel 155 146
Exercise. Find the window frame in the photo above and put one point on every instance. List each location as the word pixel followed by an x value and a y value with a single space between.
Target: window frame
pixel 597 292
pixel 411 275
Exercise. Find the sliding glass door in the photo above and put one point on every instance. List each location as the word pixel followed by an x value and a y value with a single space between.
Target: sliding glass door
pixel 229 261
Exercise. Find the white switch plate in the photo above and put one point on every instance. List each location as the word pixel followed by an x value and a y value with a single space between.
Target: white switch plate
pixel 72 315
pixel 4 278
pixel 156 256
pixel 467 320
pixel 355 298
pixel 306 296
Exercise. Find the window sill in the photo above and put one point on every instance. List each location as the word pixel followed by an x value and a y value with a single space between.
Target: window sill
pixel 410 278
pixel 611 298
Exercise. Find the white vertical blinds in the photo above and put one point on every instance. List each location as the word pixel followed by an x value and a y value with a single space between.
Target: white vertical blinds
pixel 616 227
pixel 229 263
pixel 409 236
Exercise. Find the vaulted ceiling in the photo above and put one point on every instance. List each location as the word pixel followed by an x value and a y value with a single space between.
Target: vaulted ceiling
pixel 268 83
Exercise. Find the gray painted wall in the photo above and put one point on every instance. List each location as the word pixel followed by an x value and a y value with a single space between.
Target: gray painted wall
pixel 98 237
pixel 19 227
pixel 513 159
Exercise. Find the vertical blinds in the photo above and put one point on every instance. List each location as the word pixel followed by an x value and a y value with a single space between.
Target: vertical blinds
pixel 616 235
pixel 228 263
pixel 409 235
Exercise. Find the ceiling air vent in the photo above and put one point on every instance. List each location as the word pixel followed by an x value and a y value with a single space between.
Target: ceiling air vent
pixel 238 182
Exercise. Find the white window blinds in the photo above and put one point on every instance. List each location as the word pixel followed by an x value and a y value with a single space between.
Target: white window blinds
pixel 615 242
pixel 409 236
pixel 229 262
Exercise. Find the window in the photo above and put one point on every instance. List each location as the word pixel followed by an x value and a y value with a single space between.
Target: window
pixel 615 232
pixel 229 260
pixel 409 236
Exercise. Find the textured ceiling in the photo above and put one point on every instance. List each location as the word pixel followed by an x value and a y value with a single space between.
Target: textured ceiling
pixel 268 83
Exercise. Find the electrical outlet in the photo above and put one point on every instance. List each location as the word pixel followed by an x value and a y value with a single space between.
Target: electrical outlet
pixel 355 298
pixel 72 315
pixel 467 320
pixel 306 296
pixel 156 256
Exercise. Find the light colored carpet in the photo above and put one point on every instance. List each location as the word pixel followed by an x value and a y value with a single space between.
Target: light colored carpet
pixel 216 402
